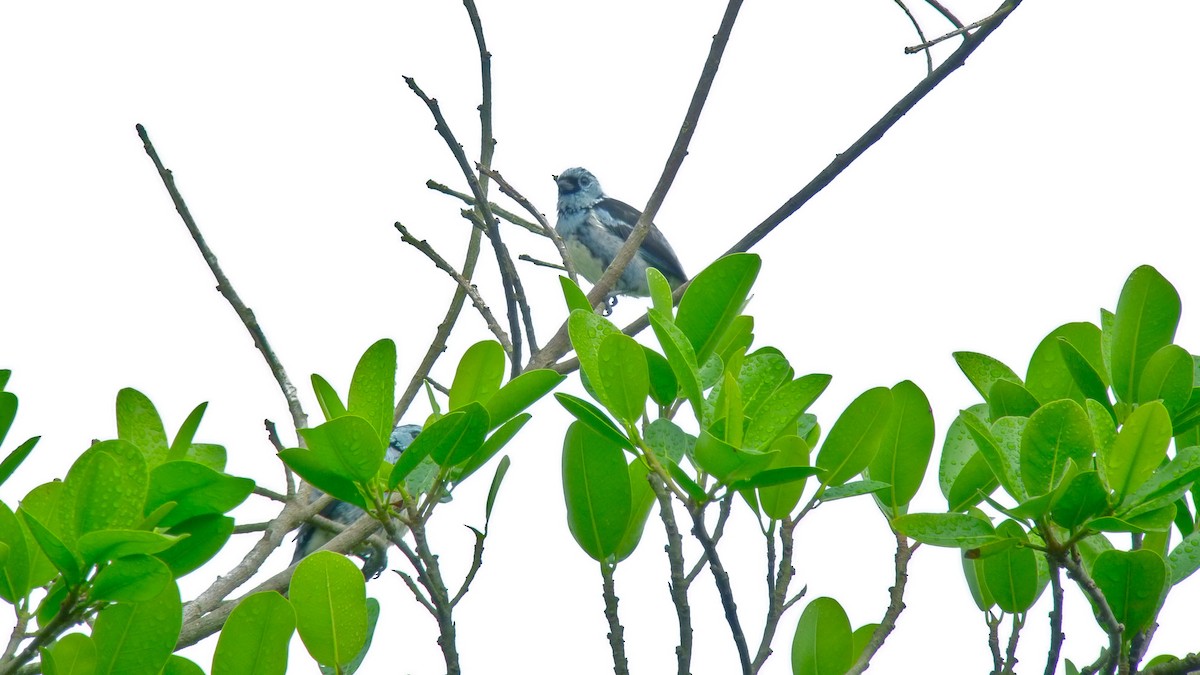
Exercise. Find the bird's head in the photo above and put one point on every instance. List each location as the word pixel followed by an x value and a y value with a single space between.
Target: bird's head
pixel 577 188
pixel 402 437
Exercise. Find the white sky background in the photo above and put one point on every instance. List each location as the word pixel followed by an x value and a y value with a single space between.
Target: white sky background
pixel 1017 197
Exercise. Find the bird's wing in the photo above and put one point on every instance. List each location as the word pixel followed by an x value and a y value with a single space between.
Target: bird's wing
pixel 620 218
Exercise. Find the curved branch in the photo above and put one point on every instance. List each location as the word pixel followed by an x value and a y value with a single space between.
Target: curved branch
pixel 903 554
pixel 920 34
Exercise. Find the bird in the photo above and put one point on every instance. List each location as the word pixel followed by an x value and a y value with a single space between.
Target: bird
pixel 373 555
pixel 594 226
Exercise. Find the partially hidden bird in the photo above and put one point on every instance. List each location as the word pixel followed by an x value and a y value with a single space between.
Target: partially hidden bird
pixel 373 555
pixel 594 226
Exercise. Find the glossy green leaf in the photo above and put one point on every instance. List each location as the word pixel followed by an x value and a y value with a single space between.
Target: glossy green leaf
pixel 1185 558
pixel 714 298
pixel 573 295
pixel 1083 369
pixel 759 377
pixel 373 388
pixel 72 654
pixel 1049 378
pixel 187 433
pixel 587 331
pixel 255 637
pixel 101 545
pixel 726 463
pixel 479 374
pixel 135 578
pixel 42 502
pixel 983 371
pixel 1132 582
pixel 955 530
pixel 196 490
pixel 597 490
pixel 455 438
pixel 327 397
pixel 57 551
pixel 957 449
pixel 356 662
pixel 519 393
pixel 494 444
pixel 1176 475
pixel 660 291
pixel 778 501
pixel 778 414
pixel 138 637
pixel 1002 467
pixel 823 643
pixel 853 489
pixel 1057 433
pixel 330 598
pixel 206 535
pixel 854 439
pixel 105 488
pixel 737 338
pixel 1011 575
pixel 624 378
pixel 15 569
pixel 17 456
pixel 729 409
pixel 1009 399
pixel 177 665
pixel 594 418
pixel 1139 448
pixel 667 440
pixel 641 497
pixel 664 388
pixel 904 448
pixel 1153 521
pixel 682 358
pixel 139 423
pixel 1081 498
pixel 497 480
pixel 348 445
pixel 1146 318
pixel 685 482
pixel 322 473
pixel 972 485
pixel 1168 377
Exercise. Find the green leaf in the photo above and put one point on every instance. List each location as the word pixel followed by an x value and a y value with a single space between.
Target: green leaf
pixel 595 419
pixel 494 444
pixel 322 472
pixel 1011 575
pixel 664 388
pixel 356 662
pixel 102 545
pixel 206 535
pixel 1139 448
pixel 455 437
pixel 597 490
pixel 761 374
pixel 1049 378
pixel 697 493
pixel 327 397
pixel 854 439
pixel 330 598
pixel 972 485
pixel 1081 498
pixel 729 409
pixel 497 479
pixel 1181 471
pixel 1083 369
pixel 587 331
pixel 254 640
pixel 1002 467
pixel 983 371
pixel 519 393
pixel 1056 433
pixel 138 423
pixel 778 414
pixel 713 299
pixel 72 654
pixel 373 388
pixel 574 296
pixel 1153 521
pixel 1132 582
pixel 15 570
pixel 641 500
pixel 196 490
pixel 138 637
pixel 823 643
pixel 60 555
pixel 1185 558
pixel 104 489
pixel 682 358
pixel 135 578
pixel 479 374
pixel 904 448
pixel 187 433
pixel 779 500
pixel 1146 319
pixel 623 377
pixel 660 291
pixel 14 458
pixel 853 489
pixel 667 440
pixel 1168 377
pixel 1009 399
pixel 348 446
pixel 177 665
pixel 955 530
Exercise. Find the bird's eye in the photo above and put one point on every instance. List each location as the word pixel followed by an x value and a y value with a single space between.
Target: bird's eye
pixel 584 181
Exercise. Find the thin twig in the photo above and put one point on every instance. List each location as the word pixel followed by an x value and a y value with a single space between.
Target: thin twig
pixel 904 553
pixel 920 34
pixel 476 563
pixel 497 210
pixel 678 584
pixel 1139 645
pixel 941 9
pixel 616 634
pixel 269 494
pixel 719 531
pixel 1188 664
pixel 560 343
pixel 463 283
pixel 1107 662
pixel 724 589
pixel 1010 654
pixel 778 581
pixel 1056 619
pixel 961 30
pixel 412 586
pixel 299 419
pixel 541 263
pixel 518 292
pixel 511 193
pixel 993 624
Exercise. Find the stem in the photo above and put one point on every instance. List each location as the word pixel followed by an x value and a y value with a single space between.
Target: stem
pixel 679 584
pixel 616 634
pixel 993 624
pixel 1010 655
pixel 66 616
pixel 1056 618
pixel 895 606
pixel 778 581
pixel 721 578
pixel 1107 662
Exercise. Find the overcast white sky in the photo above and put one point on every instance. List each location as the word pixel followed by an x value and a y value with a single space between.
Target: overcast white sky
pixel 1017 197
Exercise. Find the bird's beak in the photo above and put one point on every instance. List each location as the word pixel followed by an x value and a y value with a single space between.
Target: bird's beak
pixel 554 176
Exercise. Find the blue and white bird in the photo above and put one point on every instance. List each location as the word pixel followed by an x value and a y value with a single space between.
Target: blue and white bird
pixel 594 226
pixel 374 556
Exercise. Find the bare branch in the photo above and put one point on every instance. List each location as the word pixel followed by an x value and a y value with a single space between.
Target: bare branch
pixel 616 634
pixel 299 419
pixel 497 210
pixel 476 563
pixel 920 34
pixel 724 589
pixel 944 12
pixel 547 230
pixel 895 606
pixel 463 283
pixel 926 44
pixel 678 584
pixel 1056 619
pixel 1104 615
